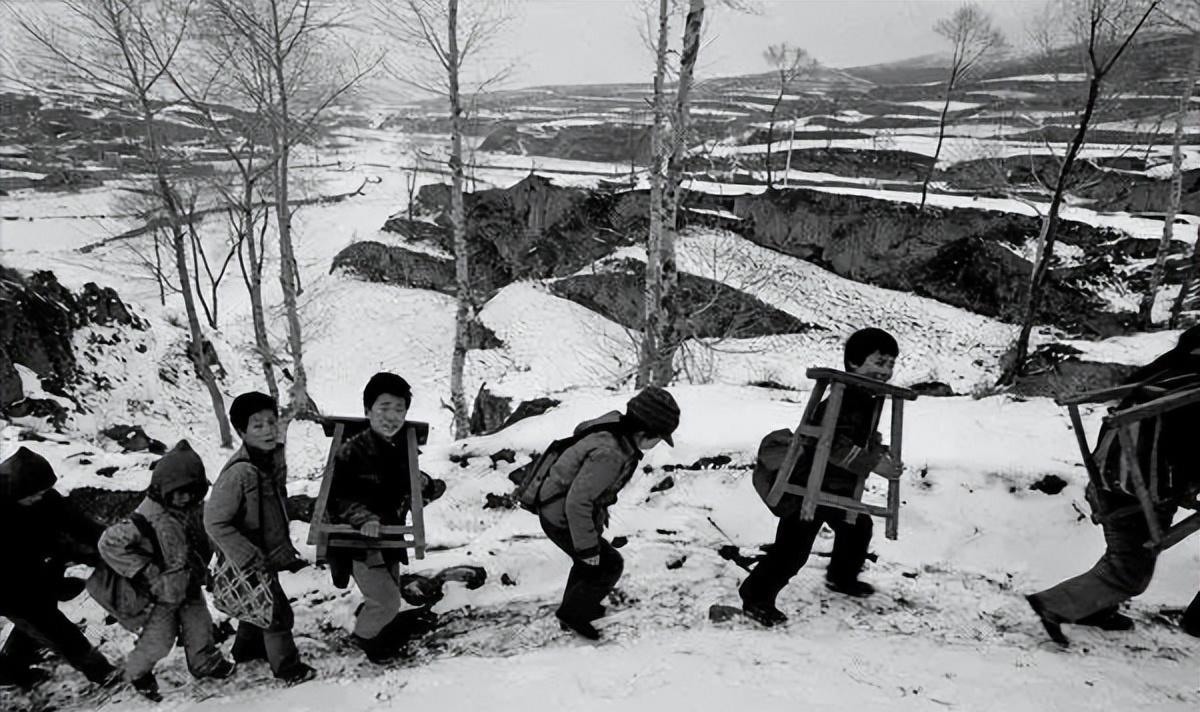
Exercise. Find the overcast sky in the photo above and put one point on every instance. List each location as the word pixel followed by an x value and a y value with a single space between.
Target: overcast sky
pixel 586 41
pixel 599 41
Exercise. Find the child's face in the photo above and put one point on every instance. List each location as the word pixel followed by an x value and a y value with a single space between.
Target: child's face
pixel 646 441
pixel 387 414
pixel 877 367
pixel 183 499
pixel 261 432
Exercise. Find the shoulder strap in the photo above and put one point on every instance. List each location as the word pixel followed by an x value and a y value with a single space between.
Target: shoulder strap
pixel 147 530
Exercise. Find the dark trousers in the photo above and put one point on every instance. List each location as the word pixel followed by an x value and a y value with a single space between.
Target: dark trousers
pixel 274 643
pixel 586 585
pixel 1124 571
pixel 794 539
pixel 45 625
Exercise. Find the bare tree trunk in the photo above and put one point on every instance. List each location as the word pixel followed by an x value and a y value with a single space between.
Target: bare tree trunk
pixel 1098 72
pixel 210 313
pixel 170 200
pixel 1146 309
pixel 668 337
pixel 252 276
pixel 158 272
pixel 787 164
pixel 288 279
pixel 937 151
pixel 652 305
pixel 463 314
pixel 771 134
pixel 196 344
pixel 1033 295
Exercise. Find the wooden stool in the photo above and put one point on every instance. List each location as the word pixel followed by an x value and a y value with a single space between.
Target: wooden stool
pixel 823 433
pixel 1124 422
pixel 324 534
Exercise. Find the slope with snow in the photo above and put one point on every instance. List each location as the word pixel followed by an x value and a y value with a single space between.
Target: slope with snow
pixel 949 628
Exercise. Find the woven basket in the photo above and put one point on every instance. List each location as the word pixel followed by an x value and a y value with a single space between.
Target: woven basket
pixel 242 594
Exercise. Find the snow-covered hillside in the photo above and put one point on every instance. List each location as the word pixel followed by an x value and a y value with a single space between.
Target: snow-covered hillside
pixel 949 628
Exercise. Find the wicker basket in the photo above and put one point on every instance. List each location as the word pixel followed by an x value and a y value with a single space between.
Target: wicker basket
pixel 244 594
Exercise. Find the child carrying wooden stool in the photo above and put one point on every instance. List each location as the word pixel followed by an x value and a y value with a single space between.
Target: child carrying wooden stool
pixel 834 449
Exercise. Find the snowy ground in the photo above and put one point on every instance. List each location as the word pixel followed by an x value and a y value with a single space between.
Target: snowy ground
pixel 948 630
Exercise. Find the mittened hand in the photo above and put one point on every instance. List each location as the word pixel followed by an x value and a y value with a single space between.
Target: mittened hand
pixel 370 529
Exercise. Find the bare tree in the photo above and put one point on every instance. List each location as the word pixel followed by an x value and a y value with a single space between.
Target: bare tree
pixel 652 302
pixel 973 37
pixel 225 68
pixel 125 47
pixel 295 68
pixel 1104 30
pixel 1183 15
pixel 790 63
pixel 441 42
pixel 660 337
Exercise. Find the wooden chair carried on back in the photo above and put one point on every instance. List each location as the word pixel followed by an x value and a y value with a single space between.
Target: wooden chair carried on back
pixel 322 533
pixel 1145 485
pixel 820 435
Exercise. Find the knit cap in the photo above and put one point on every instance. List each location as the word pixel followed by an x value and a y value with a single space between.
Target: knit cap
pixel 23 474
pixel 656 409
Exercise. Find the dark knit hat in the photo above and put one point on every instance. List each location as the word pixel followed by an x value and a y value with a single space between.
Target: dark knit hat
pixel 181 468
pixel 23 474
pixel 247 405
pixel 384 382
pixel 657 410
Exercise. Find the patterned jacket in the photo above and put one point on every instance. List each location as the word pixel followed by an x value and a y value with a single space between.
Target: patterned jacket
pixel 185 551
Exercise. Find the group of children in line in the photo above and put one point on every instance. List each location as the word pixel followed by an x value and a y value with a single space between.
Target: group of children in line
pixel 165 547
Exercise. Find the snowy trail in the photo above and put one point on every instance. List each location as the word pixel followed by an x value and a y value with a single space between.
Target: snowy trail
pixel 937 640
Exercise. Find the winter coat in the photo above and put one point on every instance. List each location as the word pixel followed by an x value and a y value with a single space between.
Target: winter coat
pixel 856 449
pixel 584 482
pixel 183 547
pixel 37 540
pixel 185 552
pixel 371 483
pixel 1172 438
pixel 246 513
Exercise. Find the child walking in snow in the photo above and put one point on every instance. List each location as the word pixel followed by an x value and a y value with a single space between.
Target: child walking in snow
pixel 246 516
pixel 172 566
pixel 40 533
pixel 370 489
pixel 857 451
pixel 1093 598
pixel 583 483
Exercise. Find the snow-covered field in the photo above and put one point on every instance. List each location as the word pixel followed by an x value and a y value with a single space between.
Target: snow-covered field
pixel 949 628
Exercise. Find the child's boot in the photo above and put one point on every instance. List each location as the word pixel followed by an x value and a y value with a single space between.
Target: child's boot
pixel 1051 622
pixel 296 674
pixel 147 686
pixel 763 613
pixel 223 669
pixel 849 586
pixel 580 626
